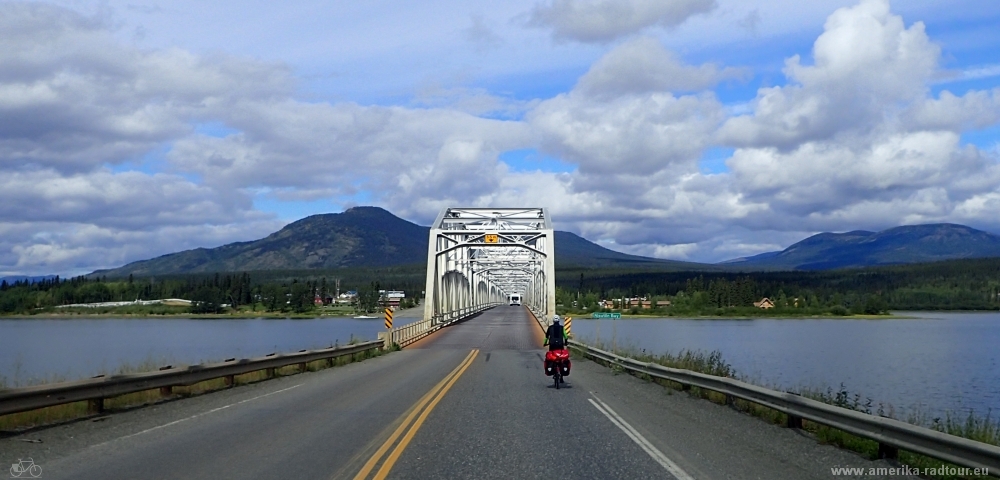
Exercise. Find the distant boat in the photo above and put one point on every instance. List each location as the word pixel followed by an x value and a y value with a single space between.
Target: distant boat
pixel 364 316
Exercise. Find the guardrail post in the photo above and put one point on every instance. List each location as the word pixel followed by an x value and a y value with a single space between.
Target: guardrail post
pixel 230 380
pixel 95 405
pixel 302 367
pixel 168 390
pixel 269 372
pixel 793 422
pixel 888 452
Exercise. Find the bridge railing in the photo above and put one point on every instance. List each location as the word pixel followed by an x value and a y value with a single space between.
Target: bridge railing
pixel 891 435
pixel 404 335
pixel 95 390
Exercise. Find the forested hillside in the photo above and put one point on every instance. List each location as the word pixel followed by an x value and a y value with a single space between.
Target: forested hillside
pixel 949 285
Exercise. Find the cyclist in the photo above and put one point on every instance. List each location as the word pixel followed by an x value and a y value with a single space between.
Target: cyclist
pixel 555 336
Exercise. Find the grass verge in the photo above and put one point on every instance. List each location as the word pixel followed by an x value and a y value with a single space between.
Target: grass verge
pixel 985 429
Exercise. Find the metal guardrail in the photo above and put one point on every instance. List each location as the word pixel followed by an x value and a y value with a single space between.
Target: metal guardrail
pixel 99 388
pixel 411 332
pixel 891 435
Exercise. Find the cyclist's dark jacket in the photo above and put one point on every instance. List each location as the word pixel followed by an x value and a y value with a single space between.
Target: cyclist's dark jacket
pixel 555 337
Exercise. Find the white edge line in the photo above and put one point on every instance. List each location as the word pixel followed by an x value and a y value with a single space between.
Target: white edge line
pixel 636 437
pixel 175 422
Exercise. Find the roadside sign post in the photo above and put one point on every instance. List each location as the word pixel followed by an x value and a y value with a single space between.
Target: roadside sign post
pixel 388 326
pixel 569 326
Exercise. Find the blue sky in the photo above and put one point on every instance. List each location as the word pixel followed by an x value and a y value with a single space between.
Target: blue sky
pixel 700 130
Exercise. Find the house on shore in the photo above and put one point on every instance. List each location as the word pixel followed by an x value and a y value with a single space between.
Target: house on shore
pixel 764 303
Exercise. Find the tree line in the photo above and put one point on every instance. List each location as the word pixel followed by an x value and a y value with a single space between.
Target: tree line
pixel 950 285
pixel 212 293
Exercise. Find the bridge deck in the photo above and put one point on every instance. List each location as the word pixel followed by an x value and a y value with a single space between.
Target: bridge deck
pixel 501 418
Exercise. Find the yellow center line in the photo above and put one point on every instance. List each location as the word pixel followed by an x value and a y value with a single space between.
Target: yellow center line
pixel 370 464
pixel 391 460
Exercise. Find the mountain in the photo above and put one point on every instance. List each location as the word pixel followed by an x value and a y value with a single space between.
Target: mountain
pixel 574 250
pixel 906 244
pixel 358 237
pixel 361 236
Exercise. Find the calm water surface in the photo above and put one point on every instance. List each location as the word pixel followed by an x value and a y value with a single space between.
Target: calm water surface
pixel 34 350
pixel 937 362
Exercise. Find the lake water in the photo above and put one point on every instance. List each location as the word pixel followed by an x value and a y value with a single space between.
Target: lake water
pixel 936 362
pixel 34 350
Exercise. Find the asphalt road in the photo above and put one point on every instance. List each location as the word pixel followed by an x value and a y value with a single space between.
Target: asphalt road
pixel 468 402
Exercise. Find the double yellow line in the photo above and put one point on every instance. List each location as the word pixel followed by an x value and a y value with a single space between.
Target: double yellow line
pixel 429 400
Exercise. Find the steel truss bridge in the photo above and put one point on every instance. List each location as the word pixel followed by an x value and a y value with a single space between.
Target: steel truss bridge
pixel 478 257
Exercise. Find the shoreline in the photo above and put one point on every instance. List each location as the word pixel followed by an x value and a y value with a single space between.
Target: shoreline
pixel 895 315
pixel 902 315
pixel 240 315
pixel 754 317
pixel 207 316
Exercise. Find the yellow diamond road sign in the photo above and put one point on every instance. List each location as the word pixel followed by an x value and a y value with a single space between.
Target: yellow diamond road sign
pixel 388 318
pixel 491 238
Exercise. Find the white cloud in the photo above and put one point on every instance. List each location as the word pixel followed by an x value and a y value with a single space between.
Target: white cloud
pixel 69 248
pixel 102 162
pixel 866 63
pixel 856 140
pixel 644 66
pixel 853 141
pixel 626 135
pixel 74 98
pixel 606 20
pixel 976 109
pixel 299 145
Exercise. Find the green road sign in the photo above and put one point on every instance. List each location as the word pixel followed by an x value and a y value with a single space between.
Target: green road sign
pixel 605 315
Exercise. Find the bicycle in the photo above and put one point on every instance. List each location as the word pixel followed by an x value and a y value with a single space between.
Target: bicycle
pixel 22 467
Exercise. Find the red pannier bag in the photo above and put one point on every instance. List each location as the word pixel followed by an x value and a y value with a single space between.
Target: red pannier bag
pixel 557 359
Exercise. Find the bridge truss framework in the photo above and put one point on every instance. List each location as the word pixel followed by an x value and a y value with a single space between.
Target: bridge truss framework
pixel 478 257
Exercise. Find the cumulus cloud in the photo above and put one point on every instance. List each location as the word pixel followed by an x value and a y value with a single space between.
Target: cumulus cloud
pixel 856 139
pixel 300 145
pixel 623 119
pixel 102 160
pixel 127 200
pixel 974 110
pixel 644 66
pixel 73 98
pixel 866 63
pixel 80 247
pixel 626 135
pixel 76 104
pixel 597 21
